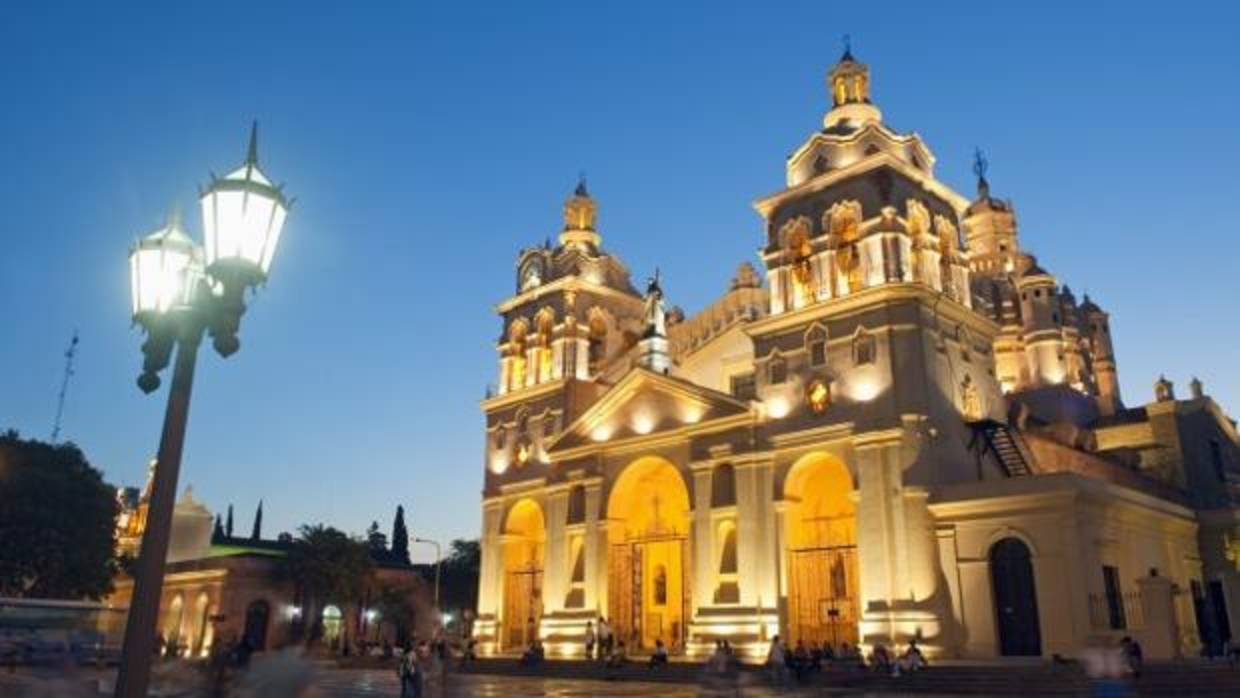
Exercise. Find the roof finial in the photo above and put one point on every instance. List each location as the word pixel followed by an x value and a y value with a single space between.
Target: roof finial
pixel 581 184
pixel 251 156
pixel 174 215
pixel 980 166
pixel 847 49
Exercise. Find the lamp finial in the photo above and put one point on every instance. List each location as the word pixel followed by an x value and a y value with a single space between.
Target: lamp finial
pixel 251 156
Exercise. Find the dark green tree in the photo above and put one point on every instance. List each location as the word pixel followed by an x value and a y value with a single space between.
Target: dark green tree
pixel 228 529
pixel 217 533
pixel 458 583
pixel 400 537
pixel 328 567
pixel 376 541
pixel 396 606
pixel 57 522
pixel 257 533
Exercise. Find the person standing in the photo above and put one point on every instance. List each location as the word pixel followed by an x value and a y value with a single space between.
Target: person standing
pixel 590 639
pixel 410 675
pixel 604 637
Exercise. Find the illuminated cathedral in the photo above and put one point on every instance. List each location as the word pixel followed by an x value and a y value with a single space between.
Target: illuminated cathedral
pixel 900 426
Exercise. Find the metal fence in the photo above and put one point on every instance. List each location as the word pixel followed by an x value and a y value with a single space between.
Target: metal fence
pixel 1119 612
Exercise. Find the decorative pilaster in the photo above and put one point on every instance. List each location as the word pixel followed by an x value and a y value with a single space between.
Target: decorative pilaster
pixel 595 548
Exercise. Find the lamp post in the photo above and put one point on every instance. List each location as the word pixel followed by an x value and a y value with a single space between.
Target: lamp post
pixel 438 564
pixel 181 291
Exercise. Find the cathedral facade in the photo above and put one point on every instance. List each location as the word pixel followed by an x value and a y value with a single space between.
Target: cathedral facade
pixel 900 427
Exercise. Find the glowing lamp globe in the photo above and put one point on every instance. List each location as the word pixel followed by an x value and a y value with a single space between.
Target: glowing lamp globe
pixel 164 269
pixel 242 216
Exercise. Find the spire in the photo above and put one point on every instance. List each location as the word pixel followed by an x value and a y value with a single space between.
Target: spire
pixel 847 55
pixel 251 156
pixel 581 185
pixel 980 166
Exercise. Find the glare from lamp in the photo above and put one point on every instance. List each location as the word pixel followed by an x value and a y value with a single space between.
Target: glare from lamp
pixel 601 433
pixel 643 424
pixel 864 390
pixel 777 407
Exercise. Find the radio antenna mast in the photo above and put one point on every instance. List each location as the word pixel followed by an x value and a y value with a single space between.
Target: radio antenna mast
pixel 64 385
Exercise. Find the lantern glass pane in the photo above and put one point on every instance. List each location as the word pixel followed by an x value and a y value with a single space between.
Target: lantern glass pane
pixel 242 217
pixel 160 278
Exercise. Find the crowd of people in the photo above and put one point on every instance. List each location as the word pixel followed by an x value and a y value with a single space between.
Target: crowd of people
pixel 802 660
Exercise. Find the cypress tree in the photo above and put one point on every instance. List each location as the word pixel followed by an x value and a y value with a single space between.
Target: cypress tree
pixel 228 524
pixel 257 533
pixel 217 534
pixel 400 537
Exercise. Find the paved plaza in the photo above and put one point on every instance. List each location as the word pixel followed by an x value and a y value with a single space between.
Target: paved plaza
pixel 367 683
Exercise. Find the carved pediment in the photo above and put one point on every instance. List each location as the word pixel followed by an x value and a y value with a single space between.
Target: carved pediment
pixel 644 403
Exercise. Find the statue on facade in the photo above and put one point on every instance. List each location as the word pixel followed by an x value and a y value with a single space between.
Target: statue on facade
pixel 654 314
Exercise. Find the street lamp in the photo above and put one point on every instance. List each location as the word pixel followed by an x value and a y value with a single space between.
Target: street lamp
pixel 438 563
pixel 181 291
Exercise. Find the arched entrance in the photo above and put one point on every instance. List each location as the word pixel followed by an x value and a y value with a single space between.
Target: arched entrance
pixel 173 624
pixel 256 616
pixel 333 625
pixel 821 534
pixel 524 536
pixel 1016 600
pixel 648 555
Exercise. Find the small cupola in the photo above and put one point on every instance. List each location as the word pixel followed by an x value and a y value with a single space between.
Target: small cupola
pixel 849 84
pixel 580 218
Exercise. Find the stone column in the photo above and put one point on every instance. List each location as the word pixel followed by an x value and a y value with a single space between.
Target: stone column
pixel 703 537
pixel 555 563
pixel 595 549
pixel 752 526
pixel 491 565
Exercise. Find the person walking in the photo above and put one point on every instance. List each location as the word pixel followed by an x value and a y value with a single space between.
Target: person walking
pixel 590 639
pixel 410 675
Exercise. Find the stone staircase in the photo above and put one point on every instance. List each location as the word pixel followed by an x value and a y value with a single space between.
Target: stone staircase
pixel 1188 679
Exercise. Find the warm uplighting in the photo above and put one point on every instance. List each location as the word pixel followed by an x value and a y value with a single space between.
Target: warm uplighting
pixel 864 389
pixel 601 433
pixel 777 407
pixel 242 215
pixel 643 424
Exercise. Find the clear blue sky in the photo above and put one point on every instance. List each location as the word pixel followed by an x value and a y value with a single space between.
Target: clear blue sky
pixel 427 143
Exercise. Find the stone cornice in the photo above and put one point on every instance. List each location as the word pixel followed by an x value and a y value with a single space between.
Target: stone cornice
pixel 767 205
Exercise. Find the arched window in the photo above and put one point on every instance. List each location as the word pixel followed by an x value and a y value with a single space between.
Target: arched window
pixel 172 625
pixel 777 370
pixel 864 347
pixel 723 486
pixel 545 323
pixel 256 616
pixel 202 614
pixel 516 351
pixel 577 505
pixel 816 346
pixel 598 338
